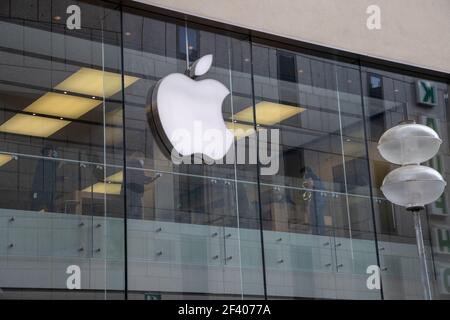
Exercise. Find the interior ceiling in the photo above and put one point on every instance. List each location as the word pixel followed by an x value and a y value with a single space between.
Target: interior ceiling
pixel 26 83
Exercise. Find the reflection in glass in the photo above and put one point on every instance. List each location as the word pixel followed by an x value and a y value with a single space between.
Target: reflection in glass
pixel 76 161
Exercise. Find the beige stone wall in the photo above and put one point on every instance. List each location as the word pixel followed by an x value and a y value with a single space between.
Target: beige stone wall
pixel 415 32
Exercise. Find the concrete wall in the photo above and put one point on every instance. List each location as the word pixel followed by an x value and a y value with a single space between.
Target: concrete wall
pixel 412 31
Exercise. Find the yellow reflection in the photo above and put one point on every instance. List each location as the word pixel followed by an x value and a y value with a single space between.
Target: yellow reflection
pixel 116 177
pixel 112 186
pixel 114 132
pixel 4 159
pixel 108 188
pixel 95 82
pixel 240 130
pixel 33 125
pixel 268 113
pixel 113 136
pixel 62 105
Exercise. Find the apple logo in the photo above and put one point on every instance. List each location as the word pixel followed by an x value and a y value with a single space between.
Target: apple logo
pixel 187 114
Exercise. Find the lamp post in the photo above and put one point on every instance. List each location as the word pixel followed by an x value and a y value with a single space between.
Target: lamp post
pixel 412 185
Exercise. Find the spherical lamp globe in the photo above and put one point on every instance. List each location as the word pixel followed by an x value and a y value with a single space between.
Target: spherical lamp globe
pixel 413 186
pixel 409 143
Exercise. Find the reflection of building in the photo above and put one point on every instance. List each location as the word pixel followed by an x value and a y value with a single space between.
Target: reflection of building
pixel 205 228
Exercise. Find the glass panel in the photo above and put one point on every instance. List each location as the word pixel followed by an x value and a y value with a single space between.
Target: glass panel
pixel 194 228
pixel 307 221
pixel 397 100
pixel 62 226
pixel 318 227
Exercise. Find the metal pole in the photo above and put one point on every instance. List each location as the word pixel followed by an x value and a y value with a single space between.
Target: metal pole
pixel 422 255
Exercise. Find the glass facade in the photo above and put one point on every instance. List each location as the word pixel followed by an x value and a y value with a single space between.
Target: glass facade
pixel 93 207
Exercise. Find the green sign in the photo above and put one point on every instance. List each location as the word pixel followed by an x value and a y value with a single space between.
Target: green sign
pixel 444 278
pixel 442 240
pixel 152 296
pixel 438 207
pixel 426 93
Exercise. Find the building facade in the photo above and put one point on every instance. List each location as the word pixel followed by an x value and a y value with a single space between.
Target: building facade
pixel 93 207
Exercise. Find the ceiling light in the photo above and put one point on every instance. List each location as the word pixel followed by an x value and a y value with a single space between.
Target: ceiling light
pixel 240 130
pixel 52 104
pixel 107 188
pixel 95 83
pixel 268 113
pixel 4 159
pixel 116 178
pixel 33 125
pixel 84 81
pixel 63 106
pixel 113 185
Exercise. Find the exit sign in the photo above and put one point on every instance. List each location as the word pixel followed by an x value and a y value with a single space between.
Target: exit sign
pixel 426 93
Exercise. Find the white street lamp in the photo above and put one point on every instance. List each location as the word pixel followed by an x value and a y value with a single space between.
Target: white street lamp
pixel 412 186
pixel 409 143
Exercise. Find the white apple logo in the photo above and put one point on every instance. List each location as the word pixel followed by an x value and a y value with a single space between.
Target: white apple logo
pixel 188 113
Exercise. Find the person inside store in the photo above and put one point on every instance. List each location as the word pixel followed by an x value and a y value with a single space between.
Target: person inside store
pixel 136 181
pixel 44 181
pixel 313 185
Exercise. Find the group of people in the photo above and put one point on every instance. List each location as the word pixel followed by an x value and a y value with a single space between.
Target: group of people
pixel 44 187
pixel 46 176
